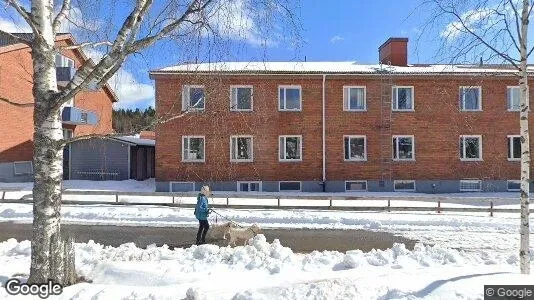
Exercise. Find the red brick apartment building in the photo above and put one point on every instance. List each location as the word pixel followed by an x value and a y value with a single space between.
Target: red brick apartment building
pixel 338 126
pixel 89 112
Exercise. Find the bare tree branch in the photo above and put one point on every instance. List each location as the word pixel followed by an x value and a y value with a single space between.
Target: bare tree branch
pixel 65 7
pixel 27 16
pixel 87 44
pixel 27 104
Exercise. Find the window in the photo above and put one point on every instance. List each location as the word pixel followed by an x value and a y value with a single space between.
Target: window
pixel 470 98
pixel 470 147
pixel 402 98
pixel 67 133
pixel 289 98
pixel 514 185
pixel 514 147
pixel 22 167
pixel 403 147
pixel 359 185
pixel 181 186
pixel 289 186
pixel 63 61
pixel 241 98
pixel 470 185
pixel 354 98
pixel 404 185
pixel 290 148
pixel 83 117
pixel 355 147
pixel 241 149
pixel 193 97
pixel 249 186
pixel 193 149
pixel 512 98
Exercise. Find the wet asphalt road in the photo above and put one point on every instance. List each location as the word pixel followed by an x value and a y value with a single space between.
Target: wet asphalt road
pixel 300 240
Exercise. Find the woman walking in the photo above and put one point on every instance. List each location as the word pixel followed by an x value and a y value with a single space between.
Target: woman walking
pixel 201 213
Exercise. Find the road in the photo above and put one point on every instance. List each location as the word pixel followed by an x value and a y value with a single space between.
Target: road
pixel 300 240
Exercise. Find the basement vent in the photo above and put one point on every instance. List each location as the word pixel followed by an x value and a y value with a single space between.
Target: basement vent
pixel 514 185
pixel 470 185
pixel 360 185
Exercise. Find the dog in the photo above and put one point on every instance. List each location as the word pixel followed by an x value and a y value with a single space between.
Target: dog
pixel 243 234
pixel 218 231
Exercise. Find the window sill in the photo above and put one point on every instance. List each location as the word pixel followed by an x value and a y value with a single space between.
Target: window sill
pixel 514 159
pixel 356 110
pixel 471 159
pixel 290 160
pixel 289 110
pixel 241 110
pixel 401 160
pixel 403 110
pixel 241 160
pixel 355 160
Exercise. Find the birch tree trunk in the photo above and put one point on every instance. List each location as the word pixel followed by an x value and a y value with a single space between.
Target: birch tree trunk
pixel 524 255
pixel 46 249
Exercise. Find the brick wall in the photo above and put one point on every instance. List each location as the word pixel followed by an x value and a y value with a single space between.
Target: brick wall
pixel 436 124
pixel 16 123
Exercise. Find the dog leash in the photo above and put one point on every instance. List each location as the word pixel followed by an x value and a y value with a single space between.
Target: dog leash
pixel 228 219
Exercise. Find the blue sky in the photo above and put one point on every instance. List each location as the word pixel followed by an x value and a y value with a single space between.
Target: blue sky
pixel 337 30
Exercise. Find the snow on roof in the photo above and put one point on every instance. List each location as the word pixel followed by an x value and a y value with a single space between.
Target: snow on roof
pixel 350 67
pixel 136 140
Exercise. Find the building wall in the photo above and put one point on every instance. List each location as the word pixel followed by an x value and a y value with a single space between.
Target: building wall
pixel 16 136
pixel 436 124
pixel 89 158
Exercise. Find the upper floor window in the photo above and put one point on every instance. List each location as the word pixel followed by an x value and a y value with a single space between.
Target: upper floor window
pixel 512 98
pixel 514 147
pixel 289 98
pixel 403 147
pixel 402 98
pixel 63 61
pixel 67 133
pixel 193 149
pixel 355 147
pixel 290 148
pixel 470 98
pixel 193 97
pixel 354 98
pixel 241 98
pixel 241 149
pixel 471 147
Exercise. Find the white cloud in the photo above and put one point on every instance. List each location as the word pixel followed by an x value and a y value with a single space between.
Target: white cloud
pixel 129 91
pixel 336 39
pixel 13 25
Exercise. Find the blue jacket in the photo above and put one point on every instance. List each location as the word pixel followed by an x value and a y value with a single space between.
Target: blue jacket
pixel 201 209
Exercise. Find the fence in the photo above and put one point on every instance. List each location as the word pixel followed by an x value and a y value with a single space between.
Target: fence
pixel 431 203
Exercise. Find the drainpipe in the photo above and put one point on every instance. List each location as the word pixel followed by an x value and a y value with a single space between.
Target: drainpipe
pixel 324 132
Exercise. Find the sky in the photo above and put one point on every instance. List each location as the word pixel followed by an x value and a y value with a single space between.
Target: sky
pixel 337 30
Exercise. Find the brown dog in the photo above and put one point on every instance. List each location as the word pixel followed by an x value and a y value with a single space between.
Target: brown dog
pixel 218 231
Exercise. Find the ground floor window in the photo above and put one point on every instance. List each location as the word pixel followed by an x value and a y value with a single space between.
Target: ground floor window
pixel 193 149
pixel 514 147
pixel 181 186
pixel 249 186
pixel 357 185
pixel 355 147
pixel 290 148
pixel 289 186
pixel 470 185
pixel 403 147
pixel 514 185
pixel 404 185
pixel 22 167
pixel 241 149
pixel 471 147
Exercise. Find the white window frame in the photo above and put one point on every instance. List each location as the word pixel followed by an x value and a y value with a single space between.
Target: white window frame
pixel 280 87
pixel 280 150
pixel 189 143
pixel 462 97
pixel 508 102
pixel 395 93
pixel 393 137
pixel 356 181
pixel 346 98
pixel 186 100
pixel 65 61
pixel 403 190
pixel 512 147
pixel 471 181
pixel 234 101
pixel 185 182
pixel 514 181
pixel 249 182
pixel 290 181
pixel 364 147
pixel 251 159
pixel 22 162
pixel 67 130
pixel 462 155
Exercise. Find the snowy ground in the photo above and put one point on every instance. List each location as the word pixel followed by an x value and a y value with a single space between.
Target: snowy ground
pixel 459 253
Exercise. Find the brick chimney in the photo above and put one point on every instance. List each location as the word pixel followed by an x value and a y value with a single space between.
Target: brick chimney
pixel 394 51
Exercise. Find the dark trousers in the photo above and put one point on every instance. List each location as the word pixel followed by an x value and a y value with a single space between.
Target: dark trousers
pixel 203 227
